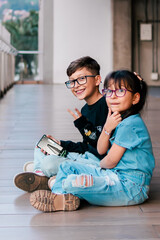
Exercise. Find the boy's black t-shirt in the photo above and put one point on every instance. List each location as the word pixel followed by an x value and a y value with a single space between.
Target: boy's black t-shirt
pixel 90 125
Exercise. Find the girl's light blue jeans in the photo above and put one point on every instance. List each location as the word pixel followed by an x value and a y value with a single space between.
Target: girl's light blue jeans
pixel 108 188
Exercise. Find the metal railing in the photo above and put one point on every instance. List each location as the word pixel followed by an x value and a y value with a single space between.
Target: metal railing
pixel 7 65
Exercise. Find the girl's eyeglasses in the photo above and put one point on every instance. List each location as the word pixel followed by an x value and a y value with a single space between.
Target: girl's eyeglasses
pixel 81 80
pixel 118 92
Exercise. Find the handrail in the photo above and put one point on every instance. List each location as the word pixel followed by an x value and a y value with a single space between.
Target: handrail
pixel 7 65
pixel 29 52
pixel 7 47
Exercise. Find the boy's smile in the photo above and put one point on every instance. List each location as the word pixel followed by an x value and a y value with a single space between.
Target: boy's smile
pixel 80 91
pixel 87 91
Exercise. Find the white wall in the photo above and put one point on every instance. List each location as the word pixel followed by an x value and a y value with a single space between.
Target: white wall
pixel 40 40
pixel 81 28
pixel 45 40
pixel 4 34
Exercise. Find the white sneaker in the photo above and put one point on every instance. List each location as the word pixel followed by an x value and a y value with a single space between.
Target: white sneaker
pixel 28 167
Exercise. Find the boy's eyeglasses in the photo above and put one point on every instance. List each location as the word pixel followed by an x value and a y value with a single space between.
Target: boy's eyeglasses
pixel 118 92
pixel 81 80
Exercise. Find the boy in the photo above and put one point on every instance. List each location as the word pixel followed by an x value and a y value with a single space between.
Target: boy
pixel 84 80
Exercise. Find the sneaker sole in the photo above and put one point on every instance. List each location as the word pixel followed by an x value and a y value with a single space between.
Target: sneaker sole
pixel 29 181
pixel 47 201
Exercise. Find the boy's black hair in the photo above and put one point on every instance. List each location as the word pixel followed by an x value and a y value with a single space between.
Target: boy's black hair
pixel 131 82
pixel 87 62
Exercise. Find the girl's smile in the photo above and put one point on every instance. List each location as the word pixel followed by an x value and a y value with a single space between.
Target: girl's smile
pixel 120 104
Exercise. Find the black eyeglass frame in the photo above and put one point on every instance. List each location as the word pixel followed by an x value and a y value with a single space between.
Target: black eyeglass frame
pixel 104 92
pixel 76 80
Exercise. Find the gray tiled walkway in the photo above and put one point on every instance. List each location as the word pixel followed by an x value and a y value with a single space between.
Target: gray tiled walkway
pixel 28 111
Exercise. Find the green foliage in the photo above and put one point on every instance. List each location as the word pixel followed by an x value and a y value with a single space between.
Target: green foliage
pixel 24 36
pixel 24 32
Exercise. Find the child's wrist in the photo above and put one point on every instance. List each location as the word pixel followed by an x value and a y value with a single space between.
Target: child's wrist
pixel 107 132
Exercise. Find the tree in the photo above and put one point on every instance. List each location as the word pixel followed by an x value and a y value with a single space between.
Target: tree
pixel 24 36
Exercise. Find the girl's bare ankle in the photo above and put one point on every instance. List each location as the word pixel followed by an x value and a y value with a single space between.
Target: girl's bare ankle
pixel 51 182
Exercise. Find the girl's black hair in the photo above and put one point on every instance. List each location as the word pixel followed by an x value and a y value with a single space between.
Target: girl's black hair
pixel 131 82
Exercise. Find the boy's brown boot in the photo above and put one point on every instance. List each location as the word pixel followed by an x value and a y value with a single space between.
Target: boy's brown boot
pixel 30 181
pixel 47 201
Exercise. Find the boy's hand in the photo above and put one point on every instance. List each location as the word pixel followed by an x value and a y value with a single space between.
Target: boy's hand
pixel 76 115
pixel 42 150
pixel 113 119
pixel 49 136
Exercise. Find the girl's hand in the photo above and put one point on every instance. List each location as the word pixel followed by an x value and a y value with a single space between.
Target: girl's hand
pixel 76 115
pixel 113 119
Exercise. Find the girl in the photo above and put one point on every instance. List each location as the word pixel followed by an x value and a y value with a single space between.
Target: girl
pixel 123 176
